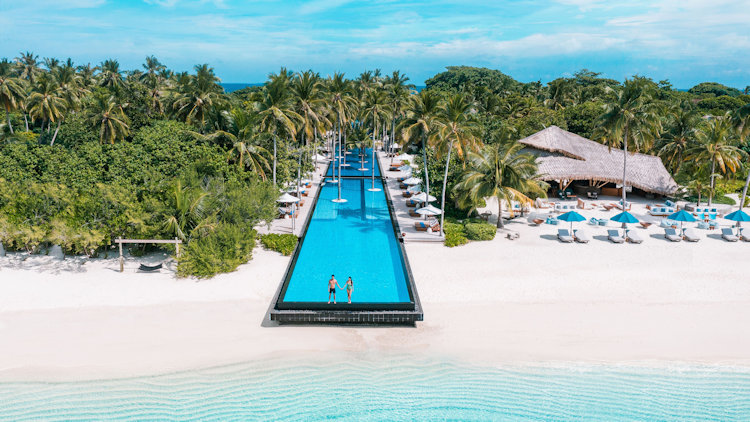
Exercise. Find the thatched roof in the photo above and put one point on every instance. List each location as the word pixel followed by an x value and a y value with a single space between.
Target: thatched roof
pixel 572 157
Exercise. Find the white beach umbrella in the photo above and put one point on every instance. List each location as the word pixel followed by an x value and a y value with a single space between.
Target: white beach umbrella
pixel 286 199
pixel 396 146
pixel 405 168
pixel 412 181
pixel 403 157
pixel 429 210
pixel 423 197
pixel 318 157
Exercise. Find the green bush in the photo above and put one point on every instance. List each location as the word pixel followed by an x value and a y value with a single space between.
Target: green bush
pixel 282 243
pixel 480 231
pixel 455 239
pixel 221 250
pixel 456 228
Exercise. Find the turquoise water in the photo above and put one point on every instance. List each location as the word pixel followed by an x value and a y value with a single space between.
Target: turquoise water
pixel 352 170
pixel 352 239
pixel 394 389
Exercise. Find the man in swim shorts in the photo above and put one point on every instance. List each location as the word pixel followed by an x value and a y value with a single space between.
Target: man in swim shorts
pixel 332 284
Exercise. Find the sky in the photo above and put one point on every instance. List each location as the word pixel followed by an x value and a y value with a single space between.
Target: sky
pixel 684 41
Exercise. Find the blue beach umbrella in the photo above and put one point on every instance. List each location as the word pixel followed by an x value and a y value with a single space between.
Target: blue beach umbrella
pixel 682 216
pixel 624 217
pixel 738 216
pixel 572 217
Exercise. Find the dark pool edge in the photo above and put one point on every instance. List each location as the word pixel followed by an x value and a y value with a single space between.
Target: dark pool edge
pixel 344 313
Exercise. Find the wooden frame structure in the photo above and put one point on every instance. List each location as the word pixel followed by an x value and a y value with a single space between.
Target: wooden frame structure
pixel 176 241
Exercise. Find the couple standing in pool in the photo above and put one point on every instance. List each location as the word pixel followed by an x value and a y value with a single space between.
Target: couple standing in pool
pixel 332 284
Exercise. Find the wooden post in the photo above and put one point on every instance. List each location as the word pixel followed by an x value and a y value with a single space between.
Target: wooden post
pixel 177 247
pixel 122 264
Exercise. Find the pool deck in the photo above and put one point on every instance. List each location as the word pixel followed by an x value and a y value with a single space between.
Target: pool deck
pixel 401 211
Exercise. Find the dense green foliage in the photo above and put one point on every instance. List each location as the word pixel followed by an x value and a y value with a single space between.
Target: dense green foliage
pixel 282 243
pixel 221 250
pixel 480 231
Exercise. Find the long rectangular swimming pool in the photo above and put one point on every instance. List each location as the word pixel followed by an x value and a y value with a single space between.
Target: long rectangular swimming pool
pixel 356 239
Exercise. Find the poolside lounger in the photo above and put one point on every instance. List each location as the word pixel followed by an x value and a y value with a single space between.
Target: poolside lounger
pixel 744 236
pixel 690 235
pixel 614 236
pixel 607 207
pixel 563 235
pixel 632 236
pixel 581 236
pixel 411 203
pixel 149 268
pixel 671 234
pixel 729 235
pixel 421 226
pixel 413 213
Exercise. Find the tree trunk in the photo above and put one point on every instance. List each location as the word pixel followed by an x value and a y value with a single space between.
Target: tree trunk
pixel 26 121
pixel 55 135
pixel 426 172
pixel 7 114
pixel 339 159
pixel 274 160
pixel 624 170
pixel 711 191
pixel 374 126
pixel 445 183
pixel 500 224
pixel 744 191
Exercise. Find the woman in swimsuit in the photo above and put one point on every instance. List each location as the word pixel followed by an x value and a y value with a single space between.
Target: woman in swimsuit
pixel 349 286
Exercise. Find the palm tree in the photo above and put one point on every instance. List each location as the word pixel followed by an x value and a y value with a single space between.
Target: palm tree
pixel 110 75
pixel 457 130
pixel 28 66
pixel 275 115
pixel 420 122
pixel 679 136
pixel 12 91
pixel 376 108
pixel 87 72
pixel 629 117
pixel 198 95
pixel 69 89
pixel 306 90
pixel 562 92
pixel 109 117
pixel 340 103
pixel 398 91
pixel 501 171
pixel 715 145
pixel 45 102
pixel 741 121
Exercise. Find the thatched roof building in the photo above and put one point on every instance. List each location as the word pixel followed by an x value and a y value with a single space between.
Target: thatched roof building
pixel 565 157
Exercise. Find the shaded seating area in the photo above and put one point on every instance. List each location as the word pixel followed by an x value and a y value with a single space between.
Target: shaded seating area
pixel 431 225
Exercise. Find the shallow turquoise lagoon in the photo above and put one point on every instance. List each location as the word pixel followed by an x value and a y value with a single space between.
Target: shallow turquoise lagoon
pixel 392 389
pixel 352 239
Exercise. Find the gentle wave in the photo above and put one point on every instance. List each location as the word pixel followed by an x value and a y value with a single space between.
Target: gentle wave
pixel 391 388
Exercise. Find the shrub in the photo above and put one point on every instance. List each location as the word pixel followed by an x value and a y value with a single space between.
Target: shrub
pixel 454 228
pixel 455 239
pixel 282 243
pixel 480 231
pixel 221 250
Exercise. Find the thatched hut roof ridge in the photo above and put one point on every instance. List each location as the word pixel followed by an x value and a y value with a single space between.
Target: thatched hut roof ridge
pixel 584 159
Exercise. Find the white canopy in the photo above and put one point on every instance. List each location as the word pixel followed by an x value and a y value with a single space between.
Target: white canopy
pixel 404 157
pixel 429 210
pixel 396 145
pixel 286 198
pixel 422 197
pixel 405 168
pixel 318 157
pixel 412 181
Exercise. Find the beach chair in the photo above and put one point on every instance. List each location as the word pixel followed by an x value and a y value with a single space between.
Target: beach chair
pixel 614 236
pixel 411 203
pixel 690 235
pixel 149 268
pixel 703 225
pixel 413 213
pixel 434 226
pixel 729 235
pixel 607 207
pixel 563 235
pixel 421 226
pixel 671 235
pixel 537 221
pixel 603 222
pixel 581 236
pixel 744 236
pixel 645 224
pixel 632 236
pixel 713 225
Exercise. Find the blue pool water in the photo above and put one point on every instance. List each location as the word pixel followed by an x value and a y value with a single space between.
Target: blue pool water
pixel 393 389
pixel 352 239
pixel 352 170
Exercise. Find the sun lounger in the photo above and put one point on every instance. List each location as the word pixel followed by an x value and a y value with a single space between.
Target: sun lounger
pixel 563 235
pixel 645 224
pixel 538 221
pixel 632 236
pixel 614 236
pixel 603 222
pixel 421 226
pixel 671 234
pixel 607 207
pixel 411 203
pixel 581 236
pixel 149 268
pixel 703 225
pixel 661 211
pixel 744 235
pixel 713 225
pixel 413 213
pixel 690 235
pixel 729 235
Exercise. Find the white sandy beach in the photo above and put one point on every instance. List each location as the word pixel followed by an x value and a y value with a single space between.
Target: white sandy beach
pixel 529 300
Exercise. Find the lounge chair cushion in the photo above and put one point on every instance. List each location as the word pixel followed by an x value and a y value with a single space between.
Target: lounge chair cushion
pixel 614 236
pixel 671 234
pixel 690 235
pixel 729 235
pixel 581 236
pixel 564 236
pixel 633 236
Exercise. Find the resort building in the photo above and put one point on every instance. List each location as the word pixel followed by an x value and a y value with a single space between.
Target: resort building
pixel 574 164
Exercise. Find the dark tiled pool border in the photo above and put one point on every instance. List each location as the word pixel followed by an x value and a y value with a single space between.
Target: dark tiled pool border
pixel 343 313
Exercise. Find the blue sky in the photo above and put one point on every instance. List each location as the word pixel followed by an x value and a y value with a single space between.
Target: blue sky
pixel 685 41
